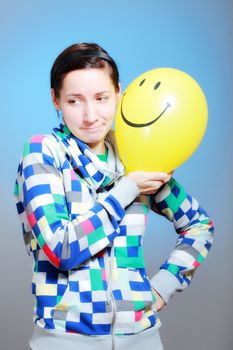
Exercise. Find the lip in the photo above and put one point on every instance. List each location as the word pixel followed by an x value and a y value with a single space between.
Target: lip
pixel 92 129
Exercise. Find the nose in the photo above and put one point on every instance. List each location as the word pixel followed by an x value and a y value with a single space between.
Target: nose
pixel 89 115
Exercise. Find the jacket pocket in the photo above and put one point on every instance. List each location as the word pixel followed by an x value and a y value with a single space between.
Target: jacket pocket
pixel 49 288
pixel 85 286
pixel 132 290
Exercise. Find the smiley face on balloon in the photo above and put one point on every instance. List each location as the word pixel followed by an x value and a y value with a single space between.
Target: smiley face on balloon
pixel 160 120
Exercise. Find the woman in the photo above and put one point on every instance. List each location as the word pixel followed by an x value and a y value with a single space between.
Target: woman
pixel 83 220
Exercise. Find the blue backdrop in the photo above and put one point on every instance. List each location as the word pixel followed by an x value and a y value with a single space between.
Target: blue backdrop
pixel 194 36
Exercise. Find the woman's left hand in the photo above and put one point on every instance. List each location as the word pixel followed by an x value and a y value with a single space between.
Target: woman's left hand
pixel 160 303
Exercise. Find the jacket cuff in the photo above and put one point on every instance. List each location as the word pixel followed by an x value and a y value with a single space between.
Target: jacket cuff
pixel 166 284
pixel 125 191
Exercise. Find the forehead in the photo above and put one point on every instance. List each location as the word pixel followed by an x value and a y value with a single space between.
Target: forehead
pixel 87 78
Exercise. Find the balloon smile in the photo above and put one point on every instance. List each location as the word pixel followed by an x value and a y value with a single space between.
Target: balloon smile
pixel 135 125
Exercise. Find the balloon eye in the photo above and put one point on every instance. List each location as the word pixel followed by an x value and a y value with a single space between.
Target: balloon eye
pixel 157 85
pixel 142 82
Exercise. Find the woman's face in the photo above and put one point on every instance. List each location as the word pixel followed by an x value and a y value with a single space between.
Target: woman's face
pixel 88 101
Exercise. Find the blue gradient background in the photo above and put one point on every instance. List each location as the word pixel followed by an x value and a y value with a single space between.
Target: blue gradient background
pixel 194 36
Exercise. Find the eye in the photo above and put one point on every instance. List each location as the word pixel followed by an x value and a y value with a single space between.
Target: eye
pixel 102 98
pixel 74 101
pixel 142 82
pixel 157 85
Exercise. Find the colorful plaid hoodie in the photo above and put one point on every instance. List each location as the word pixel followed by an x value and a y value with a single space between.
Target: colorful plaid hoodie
pixel 83 221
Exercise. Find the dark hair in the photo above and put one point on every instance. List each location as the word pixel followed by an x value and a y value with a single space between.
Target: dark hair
pixel 80 56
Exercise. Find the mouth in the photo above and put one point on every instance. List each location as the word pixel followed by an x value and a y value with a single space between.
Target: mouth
pixel 92 129
pixel 141 125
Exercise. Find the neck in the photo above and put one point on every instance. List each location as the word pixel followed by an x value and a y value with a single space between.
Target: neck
pixel 99 148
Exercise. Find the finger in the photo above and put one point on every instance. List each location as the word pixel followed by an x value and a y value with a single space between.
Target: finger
pixel 167 179
pixel 156 175
pixel 149 192
pixel 151 185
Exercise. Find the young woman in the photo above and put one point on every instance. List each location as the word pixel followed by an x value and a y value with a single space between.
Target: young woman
pixel 83 220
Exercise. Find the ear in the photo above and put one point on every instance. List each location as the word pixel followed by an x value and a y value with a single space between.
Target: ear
pixel 119 93
pixel 55 100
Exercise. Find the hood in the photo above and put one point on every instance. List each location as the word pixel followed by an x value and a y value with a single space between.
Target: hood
pixel 85 162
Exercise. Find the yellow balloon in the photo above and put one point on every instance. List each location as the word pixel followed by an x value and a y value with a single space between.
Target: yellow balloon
pixel 160 121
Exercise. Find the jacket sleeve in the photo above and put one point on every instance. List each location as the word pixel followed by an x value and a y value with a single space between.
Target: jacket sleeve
pixel 195 234
pixel 42 207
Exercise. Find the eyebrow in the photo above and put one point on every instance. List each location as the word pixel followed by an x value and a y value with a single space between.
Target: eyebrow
pixel 98 93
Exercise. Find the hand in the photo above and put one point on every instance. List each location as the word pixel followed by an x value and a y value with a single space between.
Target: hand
pixel 160 303
pixel 149 182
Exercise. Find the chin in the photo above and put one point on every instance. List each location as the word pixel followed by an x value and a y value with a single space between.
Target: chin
pixel 96 137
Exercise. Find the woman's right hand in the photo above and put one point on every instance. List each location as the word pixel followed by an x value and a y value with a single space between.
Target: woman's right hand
pixel 149 182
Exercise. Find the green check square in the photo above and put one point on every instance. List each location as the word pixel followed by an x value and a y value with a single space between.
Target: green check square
pixel 172 201
pixel 96 279
pixel 95 236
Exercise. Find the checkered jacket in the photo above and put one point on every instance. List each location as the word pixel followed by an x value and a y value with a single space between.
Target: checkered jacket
pixel 83 223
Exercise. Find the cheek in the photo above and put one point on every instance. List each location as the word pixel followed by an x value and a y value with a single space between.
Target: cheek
pixel 108 113
pixel 71 115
